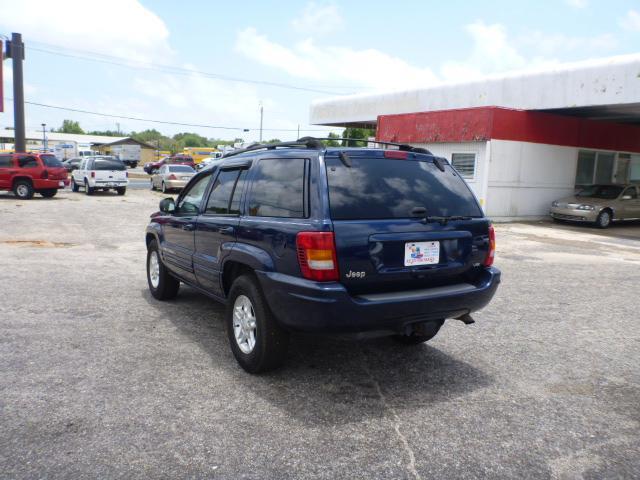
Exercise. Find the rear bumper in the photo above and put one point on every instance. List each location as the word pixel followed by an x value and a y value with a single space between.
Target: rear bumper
pixel 309 306
pixel 175 184
pixel 49 184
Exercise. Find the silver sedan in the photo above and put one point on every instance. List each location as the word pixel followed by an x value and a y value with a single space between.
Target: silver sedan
pixel 172 177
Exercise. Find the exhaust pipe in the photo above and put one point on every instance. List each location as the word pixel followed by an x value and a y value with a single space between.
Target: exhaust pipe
pixel 466 319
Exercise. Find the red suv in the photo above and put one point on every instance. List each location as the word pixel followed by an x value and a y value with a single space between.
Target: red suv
pixel 177 159
pixel 29 173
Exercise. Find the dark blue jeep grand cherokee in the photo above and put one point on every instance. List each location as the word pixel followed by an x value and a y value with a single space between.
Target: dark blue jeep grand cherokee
pixel 299 237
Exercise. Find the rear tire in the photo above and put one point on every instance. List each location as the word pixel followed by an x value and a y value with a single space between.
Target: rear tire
pixel 429 330
pixel 49 193
pixel 164 188
pixel 87 189
pixel 162 285
pixel 270 340
pixel 23 190
pixel 121 190
pixel 153 187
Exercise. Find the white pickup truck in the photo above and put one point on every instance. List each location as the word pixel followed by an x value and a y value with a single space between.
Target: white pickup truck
pixel 100 173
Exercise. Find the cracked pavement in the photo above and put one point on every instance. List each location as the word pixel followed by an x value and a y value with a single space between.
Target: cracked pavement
pixel 99 380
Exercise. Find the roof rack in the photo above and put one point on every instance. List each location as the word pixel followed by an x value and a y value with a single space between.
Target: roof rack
pixel 316 143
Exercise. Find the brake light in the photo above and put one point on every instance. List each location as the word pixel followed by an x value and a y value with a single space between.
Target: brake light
pixel 126 174
pixel 172 177
pixel 93 174
pixel 397 154
pixel 492 247
pixel 317 256
pixel 45 174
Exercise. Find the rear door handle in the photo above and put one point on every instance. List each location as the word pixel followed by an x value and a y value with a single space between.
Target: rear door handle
pixel 189 227
pixel 226 230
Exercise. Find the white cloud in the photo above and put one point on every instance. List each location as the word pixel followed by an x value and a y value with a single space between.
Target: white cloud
pixel 492 52
pixel 117 27
pixel 631 21
pixel 369 68
pixel 577 3
pixel 318 19
pixel 554 44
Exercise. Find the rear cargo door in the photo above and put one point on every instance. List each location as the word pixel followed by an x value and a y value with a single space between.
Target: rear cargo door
pixel 109 170
pixel 402 222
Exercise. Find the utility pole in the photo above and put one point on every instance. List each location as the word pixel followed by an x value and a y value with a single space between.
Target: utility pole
pixel 118 126
pixel 44 137
pixel 16 52
pixel 298 137
pixel 261 115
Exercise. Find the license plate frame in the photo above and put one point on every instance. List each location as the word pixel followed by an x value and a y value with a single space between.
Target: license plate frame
pixel 421 253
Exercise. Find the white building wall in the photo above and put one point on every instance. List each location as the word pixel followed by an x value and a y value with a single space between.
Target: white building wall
pixel 525 178
pixel 446 150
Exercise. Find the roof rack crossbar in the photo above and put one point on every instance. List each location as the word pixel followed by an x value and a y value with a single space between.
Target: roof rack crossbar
pixel 316 143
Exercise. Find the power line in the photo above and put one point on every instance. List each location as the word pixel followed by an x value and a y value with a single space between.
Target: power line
pixel 165 122
pixel 125 62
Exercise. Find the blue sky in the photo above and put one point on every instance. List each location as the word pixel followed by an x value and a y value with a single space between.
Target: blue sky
pixel 341 47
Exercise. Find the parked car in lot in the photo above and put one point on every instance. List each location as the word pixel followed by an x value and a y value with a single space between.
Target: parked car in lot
pixel 208 162
pixel 29 173
pixel 299 237
pixel 177 159
pixel 599 204
pixel 172 177
pixel 100 173
pixel 72 164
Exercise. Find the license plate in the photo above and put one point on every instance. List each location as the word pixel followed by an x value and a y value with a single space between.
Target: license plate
pixel 185 178
pixel 111 184
pixel 61 184
pixel 421 253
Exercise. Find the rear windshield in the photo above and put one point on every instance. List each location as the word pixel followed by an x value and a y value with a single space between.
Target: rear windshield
pixel 51 161
pixel 104 164
pixel 377 188
pixel 181 168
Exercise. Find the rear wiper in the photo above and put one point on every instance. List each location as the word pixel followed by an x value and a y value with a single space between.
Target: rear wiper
pixel 445 219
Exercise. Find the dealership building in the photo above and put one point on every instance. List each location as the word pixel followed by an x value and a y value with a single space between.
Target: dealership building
pixel 520 140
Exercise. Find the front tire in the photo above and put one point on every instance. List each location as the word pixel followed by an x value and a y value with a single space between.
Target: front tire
pixel 604 219
pixel 23 190
pixel 162 285
pixel 153 187
pixel 257 341
pixel 427 332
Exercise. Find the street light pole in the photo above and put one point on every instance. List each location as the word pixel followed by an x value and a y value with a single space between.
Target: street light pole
pixel 17 56
pixel 44 137
pixel 261 115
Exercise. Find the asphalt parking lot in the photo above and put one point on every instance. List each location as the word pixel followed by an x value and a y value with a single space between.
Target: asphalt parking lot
pixel 99 380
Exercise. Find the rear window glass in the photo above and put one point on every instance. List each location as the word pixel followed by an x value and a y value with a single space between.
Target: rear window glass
pixel 104 164
pixel 377 188
pixel 51 161
pixel 278 188
pixel 181 168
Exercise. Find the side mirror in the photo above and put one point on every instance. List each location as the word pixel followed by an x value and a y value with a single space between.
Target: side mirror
pixel 626 197
pixel 167 205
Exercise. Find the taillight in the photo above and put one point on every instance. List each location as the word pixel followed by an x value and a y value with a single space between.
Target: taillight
pixel 492 247
pixel 45 174
pixel 93 174
pixel 126 174
pixel 397 154
pixel 172 177
pixel 317 256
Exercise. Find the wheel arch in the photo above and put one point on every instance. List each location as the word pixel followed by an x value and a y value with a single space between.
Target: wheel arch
pixel 19 178
pixel 242 259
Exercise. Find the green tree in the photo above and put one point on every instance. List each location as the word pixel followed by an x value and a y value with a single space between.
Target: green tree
pixel 106 133
pixel 274 140
pixel 357 133
pixel 187 139
pixel 69 126
pixel 332 143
